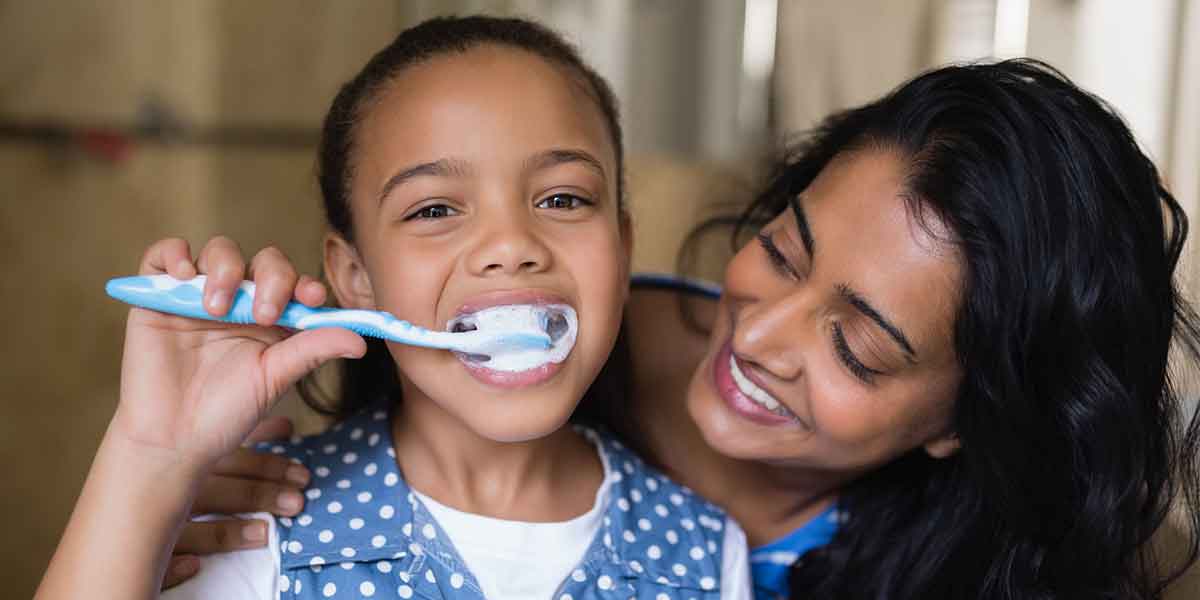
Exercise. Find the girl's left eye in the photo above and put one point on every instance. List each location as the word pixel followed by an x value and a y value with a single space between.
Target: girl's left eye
pixel 563 202
pixel 433 211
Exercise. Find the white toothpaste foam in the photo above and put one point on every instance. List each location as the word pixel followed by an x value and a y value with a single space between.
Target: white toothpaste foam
pixel 524 317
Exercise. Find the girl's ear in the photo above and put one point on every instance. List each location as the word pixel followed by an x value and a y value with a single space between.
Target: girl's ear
pixel 626 226
pixel 943 446
pixel 347 274
pixel 625 223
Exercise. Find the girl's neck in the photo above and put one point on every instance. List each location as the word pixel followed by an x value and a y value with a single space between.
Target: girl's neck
pixel 548 479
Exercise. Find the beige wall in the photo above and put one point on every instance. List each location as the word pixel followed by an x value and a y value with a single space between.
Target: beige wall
pixel 70 220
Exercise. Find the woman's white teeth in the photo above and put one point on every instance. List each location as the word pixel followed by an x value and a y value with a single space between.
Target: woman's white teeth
pixel 752 391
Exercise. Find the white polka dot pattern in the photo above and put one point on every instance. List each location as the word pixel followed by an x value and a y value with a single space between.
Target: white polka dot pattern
pixel 658 539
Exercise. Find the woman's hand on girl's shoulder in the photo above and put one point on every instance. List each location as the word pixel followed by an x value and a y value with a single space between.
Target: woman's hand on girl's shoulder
pixel 244 481
pixel 194 389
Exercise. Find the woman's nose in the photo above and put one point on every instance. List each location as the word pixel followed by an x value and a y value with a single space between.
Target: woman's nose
pixel 771 334
pixel 508 245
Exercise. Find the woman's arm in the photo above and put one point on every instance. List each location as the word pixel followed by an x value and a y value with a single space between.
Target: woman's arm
pixel 190 393
pixel 666 349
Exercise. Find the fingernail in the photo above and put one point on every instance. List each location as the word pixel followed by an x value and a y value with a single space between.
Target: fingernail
pixel 184 266
pixel 185 565
pixel 267 311
pixel 289 501
pixel 217 299
pixel 254 532
pixel 297 475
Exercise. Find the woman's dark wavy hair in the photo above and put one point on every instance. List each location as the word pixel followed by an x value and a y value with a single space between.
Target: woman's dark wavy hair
pixel 374 376
pixel 1073 443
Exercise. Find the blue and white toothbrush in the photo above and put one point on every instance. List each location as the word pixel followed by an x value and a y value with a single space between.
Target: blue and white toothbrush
pixel 184 297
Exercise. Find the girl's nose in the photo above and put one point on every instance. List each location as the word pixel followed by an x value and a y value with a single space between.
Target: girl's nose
pixel 508 245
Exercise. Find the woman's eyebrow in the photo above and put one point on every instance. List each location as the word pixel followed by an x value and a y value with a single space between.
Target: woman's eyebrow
pixel 559 156
pixel 443 167
pixel 806 236
pixel 861 305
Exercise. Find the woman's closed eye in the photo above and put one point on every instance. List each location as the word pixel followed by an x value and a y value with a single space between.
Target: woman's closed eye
pixel 432 211
pixel 849 359
pixel 778 261
pixel 562 201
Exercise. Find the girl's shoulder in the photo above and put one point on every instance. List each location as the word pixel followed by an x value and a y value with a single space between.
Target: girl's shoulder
pixel 356 492
pixel 660 529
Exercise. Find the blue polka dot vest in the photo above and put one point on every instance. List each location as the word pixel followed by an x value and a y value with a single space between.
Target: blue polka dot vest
pixel 365 535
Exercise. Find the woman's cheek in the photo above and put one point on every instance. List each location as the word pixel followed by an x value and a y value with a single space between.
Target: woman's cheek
pixel 845 416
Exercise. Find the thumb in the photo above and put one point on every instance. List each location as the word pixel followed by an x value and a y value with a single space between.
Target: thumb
pixel 287 361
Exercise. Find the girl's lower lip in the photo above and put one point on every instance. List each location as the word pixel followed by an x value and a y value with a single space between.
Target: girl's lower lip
pixel 509 379
pixel 738 402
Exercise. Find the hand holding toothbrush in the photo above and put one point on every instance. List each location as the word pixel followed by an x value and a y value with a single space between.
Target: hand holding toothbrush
pixel 191 390
pixel 194 389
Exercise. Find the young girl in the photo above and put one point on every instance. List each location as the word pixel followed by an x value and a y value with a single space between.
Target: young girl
pixel 473 163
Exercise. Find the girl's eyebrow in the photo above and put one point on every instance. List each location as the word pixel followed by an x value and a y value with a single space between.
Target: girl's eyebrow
pixel 558 156
pixel 443 167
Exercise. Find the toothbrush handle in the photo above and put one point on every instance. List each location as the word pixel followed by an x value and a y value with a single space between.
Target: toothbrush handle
pixel 242 311
pixel 185 298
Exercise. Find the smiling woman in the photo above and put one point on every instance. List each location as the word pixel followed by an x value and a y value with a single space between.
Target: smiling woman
pixel 950 339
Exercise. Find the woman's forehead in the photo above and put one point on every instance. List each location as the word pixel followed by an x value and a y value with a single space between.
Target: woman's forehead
pixel 867 235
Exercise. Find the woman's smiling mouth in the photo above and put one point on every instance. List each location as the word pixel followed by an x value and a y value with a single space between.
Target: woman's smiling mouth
pixel 743 395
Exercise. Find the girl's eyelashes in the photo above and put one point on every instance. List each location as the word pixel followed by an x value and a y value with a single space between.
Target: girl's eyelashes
pixel 559 201
pixel 563 201
pixel 778 261
pixel 432 211
pixel 861 371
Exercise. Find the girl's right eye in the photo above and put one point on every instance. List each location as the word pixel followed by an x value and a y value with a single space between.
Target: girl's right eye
pixel 432 211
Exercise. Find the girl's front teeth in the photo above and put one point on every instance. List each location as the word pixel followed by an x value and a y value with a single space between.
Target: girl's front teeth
pixel 559 321
pixel 754 392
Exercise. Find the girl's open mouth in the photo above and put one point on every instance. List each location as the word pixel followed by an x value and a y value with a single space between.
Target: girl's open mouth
pixel 520 367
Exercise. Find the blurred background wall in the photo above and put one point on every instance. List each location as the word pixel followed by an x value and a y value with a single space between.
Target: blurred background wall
pixel 126 121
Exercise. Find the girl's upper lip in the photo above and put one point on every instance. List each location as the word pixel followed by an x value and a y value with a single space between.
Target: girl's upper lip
pixel 506 297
